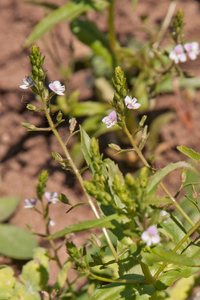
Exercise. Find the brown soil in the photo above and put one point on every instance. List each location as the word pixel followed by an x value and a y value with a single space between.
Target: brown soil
pixel 24 154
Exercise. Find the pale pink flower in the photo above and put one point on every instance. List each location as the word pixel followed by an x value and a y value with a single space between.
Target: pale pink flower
pixel 57 88
pixel 192 49
pixel 52 223
pixel 30 203
pixel 111 119
pixel 52 197
pixel 151 236
pixel 131 103
pixel 28 82
pixel 178 54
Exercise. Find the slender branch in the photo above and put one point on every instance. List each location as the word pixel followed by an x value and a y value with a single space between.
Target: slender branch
pixel 166 23
pixel 79 177
pixel 143 159
pixel 112 36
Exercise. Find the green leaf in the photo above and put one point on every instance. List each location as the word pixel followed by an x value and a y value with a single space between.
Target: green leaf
pixel 8 206
pixel 160 254
pixel 35 273
pixel 68 12
pixel 7 282
pixel 103 222
pixel 88 33
pixel 124 291
pixel 62 275
pixel 190 153
pixel 173 229
pixel 160 175
pixel 24 293
pixel 88 108
pixel 156 200
pixel 76 205
pixel 183 288
pixel 16 242
pixel 85 147
pixel 62 198
pixel 44 4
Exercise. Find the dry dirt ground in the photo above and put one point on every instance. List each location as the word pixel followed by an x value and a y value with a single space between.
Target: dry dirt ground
pixel 24 154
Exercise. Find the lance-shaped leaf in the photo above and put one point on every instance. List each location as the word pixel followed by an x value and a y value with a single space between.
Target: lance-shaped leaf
pixel 125 290
pixel 85 147
pixel 190 153
pixel 159 254
pixel 161 174
pixel 81 226
pixel 89 34
pixel 68 12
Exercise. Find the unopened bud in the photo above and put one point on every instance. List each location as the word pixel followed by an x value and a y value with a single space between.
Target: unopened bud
pixel 183 175
pixel 194 192
pixel 29 126
pixel 142 120
pixel 144 133
pixel 72 123
pixel 115 147
pixel 59 116
pixel 30 107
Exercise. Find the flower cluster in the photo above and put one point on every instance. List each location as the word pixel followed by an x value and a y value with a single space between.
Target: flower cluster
pixel 178 54
pixel 111 119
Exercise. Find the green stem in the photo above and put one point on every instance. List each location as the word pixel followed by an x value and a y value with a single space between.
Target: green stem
pixel 112 35
pixel 79 177
pixel 139 153
pixel 190 232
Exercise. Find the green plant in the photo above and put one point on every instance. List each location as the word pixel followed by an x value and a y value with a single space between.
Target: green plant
pixel 144 248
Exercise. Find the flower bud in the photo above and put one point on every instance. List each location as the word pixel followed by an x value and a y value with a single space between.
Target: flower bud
pixel 35 70
pixel 142 120
pixel 143 177
pixel 72 123
pixel 30 107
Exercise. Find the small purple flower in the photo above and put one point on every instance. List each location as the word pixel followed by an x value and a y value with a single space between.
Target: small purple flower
pixel 165 214
pixel 111 119
pixel 178 54
pixel 51 197
pixel 151 236
pixel 192 49
pixel 30 203
pixel 28 82
pixel 131 103
pixel 57 88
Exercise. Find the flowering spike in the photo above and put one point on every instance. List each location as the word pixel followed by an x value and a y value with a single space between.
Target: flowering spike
pixel 151 236
pixel 111 119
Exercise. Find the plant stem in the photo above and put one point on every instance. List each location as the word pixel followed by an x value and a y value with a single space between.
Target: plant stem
pixel 79 177
pixel 166 23
pixel 139 153
pixel 190 232
pixel 112 36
